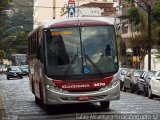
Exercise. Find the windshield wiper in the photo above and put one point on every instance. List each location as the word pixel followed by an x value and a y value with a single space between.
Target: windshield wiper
pixel 94 65
pixel 70 65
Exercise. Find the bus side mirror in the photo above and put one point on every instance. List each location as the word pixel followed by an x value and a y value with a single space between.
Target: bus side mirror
pixel 40 53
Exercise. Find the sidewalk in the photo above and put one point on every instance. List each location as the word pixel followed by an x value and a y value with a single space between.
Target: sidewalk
pixel 2 111
pixel 1 108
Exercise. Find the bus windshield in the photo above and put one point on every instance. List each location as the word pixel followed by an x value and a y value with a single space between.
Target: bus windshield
pixel 19 59
pixel 80 50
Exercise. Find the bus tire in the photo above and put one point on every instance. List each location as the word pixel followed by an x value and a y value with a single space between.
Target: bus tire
pixel 37 100
pixel 105 104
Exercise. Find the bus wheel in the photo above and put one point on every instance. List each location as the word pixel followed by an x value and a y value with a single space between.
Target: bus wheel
pixel 105 104
pixel 37 100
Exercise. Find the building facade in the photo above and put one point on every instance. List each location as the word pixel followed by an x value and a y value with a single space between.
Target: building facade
pixel 42 10
pixel 53 9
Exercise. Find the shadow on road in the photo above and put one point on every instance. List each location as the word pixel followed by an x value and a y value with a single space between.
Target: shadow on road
pixel 74 108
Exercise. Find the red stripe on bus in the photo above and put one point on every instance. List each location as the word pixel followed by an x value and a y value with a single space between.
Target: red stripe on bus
pixel 82 85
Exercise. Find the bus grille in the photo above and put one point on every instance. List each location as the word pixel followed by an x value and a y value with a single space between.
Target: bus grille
pixel 93 98
pixel 86 90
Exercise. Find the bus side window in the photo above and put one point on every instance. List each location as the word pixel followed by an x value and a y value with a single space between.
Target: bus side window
pixel 39 53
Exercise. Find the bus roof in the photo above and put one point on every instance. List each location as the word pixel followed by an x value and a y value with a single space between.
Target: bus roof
pixel 75 21
pixel 107 20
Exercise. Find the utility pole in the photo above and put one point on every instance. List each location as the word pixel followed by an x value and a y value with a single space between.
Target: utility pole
pixel 149 37
pixel 147 8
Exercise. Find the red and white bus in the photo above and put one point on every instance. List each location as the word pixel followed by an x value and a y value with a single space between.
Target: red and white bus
pixel 74 60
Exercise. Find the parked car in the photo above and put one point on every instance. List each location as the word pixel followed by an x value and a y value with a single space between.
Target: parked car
pixel 2 69
pixel 143 82
pixel 154 86
pixel 14 72
pixel 24 69
pixel 130 80
pixel 123 72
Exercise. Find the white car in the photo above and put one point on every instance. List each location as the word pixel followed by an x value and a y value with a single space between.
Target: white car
pixel 154 86
pixel 123 72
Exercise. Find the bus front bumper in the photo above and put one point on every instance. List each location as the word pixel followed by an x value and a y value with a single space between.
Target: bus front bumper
pixel 61 97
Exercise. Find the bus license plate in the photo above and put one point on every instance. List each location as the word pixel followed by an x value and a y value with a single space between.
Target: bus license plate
pixel 84 98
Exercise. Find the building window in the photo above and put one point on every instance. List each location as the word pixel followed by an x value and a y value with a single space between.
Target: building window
pixel 114 0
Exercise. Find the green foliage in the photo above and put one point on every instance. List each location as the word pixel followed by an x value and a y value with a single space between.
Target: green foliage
pixel 22 16
pixel 139 42
pixel 134 16
pixel 130 1
pixel 158 55
pixel 16 43
pixel 156 21
pixel 1 54
pixel 156 12
pixel 3 6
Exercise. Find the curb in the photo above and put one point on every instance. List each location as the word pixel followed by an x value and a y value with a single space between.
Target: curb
pixel 2 110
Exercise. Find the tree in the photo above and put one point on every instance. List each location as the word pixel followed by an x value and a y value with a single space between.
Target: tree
pixel 23 16
pixel 3 6
pixel 136 18
pixel 3 16
pixel 21 42
pixel 139 43
pixel 156 12
pixel 156 20
pixel 1 54
pixel 17 43
pixel 14 41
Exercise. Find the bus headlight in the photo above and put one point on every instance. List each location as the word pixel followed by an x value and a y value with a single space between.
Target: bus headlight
pixel 111 85
pixel 52 87
pixel 55 88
